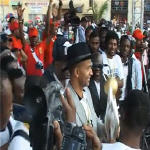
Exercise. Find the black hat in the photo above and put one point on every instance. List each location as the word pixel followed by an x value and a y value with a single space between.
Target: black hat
pixel 77 53
pixel 60 49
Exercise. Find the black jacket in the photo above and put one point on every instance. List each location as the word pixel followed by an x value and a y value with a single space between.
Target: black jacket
pixel 99 104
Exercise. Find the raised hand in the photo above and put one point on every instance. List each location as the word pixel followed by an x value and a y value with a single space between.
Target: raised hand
pixel 20 11
pixel 50 2
pixel 92 136
pixel 69 107
pixel 60 3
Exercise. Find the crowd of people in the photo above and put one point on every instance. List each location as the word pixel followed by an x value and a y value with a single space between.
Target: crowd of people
pixel 81 56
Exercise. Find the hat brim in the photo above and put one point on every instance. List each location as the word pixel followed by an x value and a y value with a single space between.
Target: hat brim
pixel 77 60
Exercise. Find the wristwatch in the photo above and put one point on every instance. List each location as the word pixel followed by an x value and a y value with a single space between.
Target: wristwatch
pixel 69 126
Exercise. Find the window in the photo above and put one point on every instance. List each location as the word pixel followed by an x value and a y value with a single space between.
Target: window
pixel 118 5
pixel 147 6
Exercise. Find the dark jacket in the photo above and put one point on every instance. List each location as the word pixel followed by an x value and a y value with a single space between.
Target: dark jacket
pixel 99 104
pixel 48 76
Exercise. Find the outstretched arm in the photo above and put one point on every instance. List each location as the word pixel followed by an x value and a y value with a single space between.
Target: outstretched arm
pixel 59 10
pixel 49 14
pixel 20 11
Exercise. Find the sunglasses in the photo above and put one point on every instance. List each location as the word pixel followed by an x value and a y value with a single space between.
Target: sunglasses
pixel 97 66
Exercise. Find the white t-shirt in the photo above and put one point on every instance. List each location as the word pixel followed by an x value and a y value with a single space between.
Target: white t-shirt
pixel 18 142
pixel 114 67
pixel 116 146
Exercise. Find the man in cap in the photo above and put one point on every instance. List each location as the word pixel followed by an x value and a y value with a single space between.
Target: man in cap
pixel 15 36
pixel 55 71
pixel 35 53
pixel 138 35
pixel 17 45
pixel 96 86
pixel 34 50
pixel 140 51
pixel 80 67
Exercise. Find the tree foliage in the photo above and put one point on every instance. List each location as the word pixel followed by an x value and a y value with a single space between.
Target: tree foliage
pixel 98 11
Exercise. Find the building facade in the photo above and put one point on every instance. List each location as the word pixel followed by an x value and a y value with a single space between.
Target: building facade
pixel 121 10
pixel 38 8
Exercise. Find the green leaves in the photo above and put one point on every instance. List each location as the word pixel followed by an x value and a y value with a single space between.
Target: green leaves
pixel 98 11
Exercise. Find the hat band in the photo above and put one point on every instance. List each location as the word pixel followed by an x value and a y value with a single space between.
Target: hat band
pixel 78 59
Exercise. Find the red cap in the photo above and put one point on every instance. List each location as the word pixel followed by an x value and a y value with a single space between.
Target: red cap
pixel 14 25
pixel 137 34
pixel 33 32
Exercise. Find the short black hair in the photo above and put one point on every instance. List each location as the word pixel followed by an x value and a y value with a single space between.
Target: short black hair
pixel 10 19
pixel 103 29
pixel 95 56
pixel 126 37
pixel 84 19
pixel 5 61
pixel 136 110
pixel 123 38
pixel 111 35
pixel 93 35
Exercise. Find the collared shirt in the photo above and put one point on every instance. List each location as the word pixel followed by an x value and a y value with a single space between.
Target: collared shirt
pixel 136 78
pixel 81 33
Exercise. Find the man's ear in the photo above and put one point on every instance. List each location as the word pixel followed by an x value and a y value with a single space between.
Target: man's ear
pixel 76 72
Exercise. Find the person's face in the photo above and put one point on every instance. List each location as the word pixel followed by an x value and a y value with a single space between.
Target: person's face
pixel 139 43
pixel 87 35
pixel 84 72
pixel 96 74
pixel 18 89
pixel 125 48
pixel 85 24
pixel 94 44
pixel 33 40
pixel 97 70
pixel 5 103
pixel 111 47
